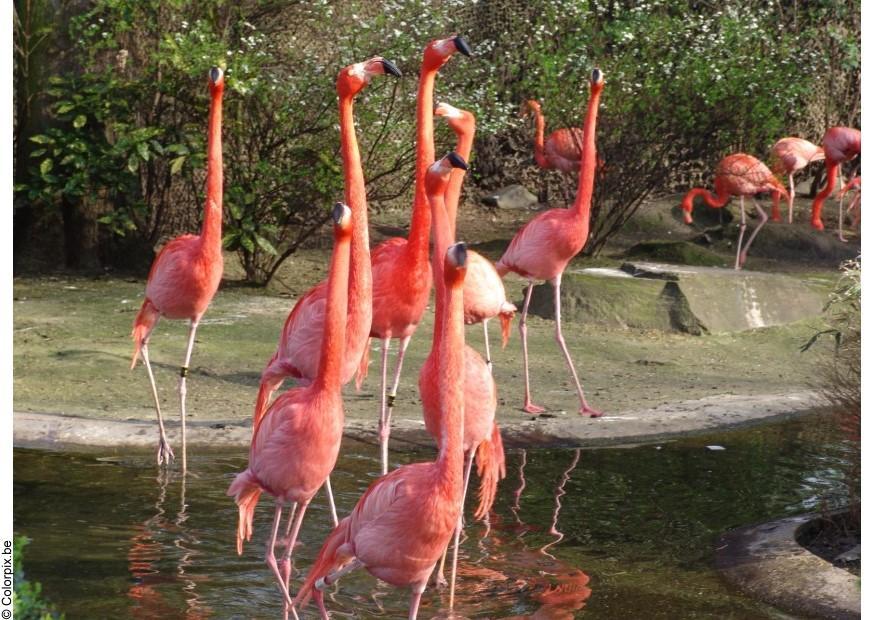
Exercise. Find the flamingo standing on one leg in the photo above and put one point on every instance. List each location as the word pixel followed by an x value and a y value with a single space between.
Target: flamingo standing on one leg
pixel 840 144
pixel 186 273
pixel 298 351
pixel 401 271
pixel 543 247
pixel 789 156
pixel 403 522
pixel 296 443
pixel 484 296
pixel 481 435
pixel 740 175
pixel 562 149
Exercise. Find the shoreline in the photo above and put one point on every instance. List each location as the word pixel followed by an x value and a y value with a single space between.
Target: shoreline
pixel 60 432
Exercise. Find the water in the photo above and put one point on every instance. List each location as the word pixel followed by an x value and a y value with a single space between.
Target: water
pixel 602 533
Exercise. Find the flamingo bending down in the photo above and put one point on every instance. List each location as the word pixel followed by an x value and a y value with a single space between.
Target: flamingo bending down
pixel 296 442
pixel 789 156
pixel 403 522
pixel 740 175
pixel 298 351
pixel 543 247
pixel 401 271
pixel 562 149
pixel 186 273
pixel 481 435
pixel 840 144
pixel 484 295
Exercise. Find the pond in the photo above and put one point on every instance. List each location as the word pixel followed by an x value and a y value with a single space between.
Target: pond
pixel 625 532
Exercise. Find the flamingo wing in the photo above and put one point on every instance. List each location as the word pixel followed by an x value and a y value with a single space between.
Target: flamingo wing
pixel 563 148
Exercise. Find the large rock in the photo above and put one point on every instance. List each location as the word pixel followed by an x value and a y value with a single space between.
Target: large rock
pixel 511 197
pixel 679 298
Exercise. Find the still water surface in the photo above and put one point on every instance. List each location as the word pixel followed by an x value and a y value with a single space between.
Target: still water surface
pixel 601 533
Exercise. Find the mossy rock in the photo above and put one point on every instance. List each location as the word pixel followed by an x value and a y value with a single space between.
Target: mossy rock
pixel 800 241
pixel 679 252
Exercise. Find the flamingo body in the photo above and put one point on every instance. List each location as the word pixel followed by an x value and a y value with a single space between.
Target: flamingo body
pixel 184 278
pixel 561 150
pixel 400 297
pixel 840 144
pixel 543 248
pixel 791 155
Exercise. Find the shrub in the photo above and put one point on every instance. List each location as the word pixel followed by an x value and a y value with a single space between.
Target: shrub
pixel 27 601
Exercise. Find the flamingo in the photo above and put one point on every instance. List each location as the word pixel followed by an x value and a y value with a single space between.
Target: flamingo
pixel 484 296
pixel 296 443
pixel 840 144
pixel 298 351
pixel 481 435
pixel 186 273
pixel 740 175
pixel 543 248
pixel 401 271
pixel 789 156
pixel 401 525
pixel 855 186
pixel 561 150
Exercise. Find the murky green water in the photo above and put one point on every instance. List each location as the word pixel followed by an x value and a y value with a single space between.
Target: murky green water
pixel 607 533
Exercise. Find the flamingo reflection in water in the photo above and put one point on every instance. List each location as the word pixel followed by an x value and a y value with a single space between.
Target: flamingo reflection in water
pixel 147 591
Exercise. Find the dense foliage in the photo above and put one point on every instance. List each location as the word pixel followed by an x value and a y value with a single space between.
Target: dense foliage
pixel 120 118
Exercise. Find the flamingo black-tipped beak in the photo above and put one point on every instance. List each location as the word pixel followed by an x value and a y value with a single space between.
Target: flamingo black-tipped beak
pixel 456 160
pixel 390 68
pixel 215 75
pixel 457 254
pixel 462 46
pixel 339 212
pixel 597 76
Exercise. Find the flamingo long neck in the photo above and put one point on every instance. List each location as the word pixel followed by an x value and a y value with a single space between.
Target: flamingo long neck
pixel 586 180
pixel 464 142
pixel 334 332
pixel 420 221
pixel 712 200
pixel 211 229
pixel 832 170
pixel 540 159
pixel 443 238
pixel 451 365
pixel 360 284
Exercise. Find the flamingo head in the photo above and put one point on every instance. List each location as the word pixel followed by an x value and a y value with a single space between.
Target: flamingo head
pixel 342 217
pixel 597 80
pixel 439 51
pixel 530 106
pixel 352 79
pixel 456 263
pixel 217 81
pixel 460 121
pixel 687 208
pixel 438 174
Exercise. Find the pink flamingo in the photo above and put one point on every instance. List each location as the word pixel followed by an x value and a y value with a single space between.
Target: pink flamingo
pixel 186 273
pixel 855 186
pixel 295 445
pixel 561 150
pixel 740 175
pixel 789 156
pixel 403 522
pixel 543 247
pixel 484 296
pixel 840 144
pixel 298 352
pixel 401 271
pixel 481 435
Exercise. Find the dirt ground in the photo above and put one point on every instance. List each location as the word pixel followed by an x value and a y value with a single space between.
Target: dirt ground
pixel 73 348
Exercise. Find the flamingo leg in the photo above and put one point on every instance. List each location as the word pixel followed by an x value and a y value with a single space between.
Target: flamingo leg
pixel 439 579
pixel 415 597
pixel 330 494
pixel 584 406
pixel 792 199
pixel 528 405
pixel 763 218
pixel 841 207
pixel 334 575
pixel 459 526
pixel 486 340
pixel 285 564
pixel 270 557
pixel 741 230
pixel 183 373
pixel 165 452
pixel 390 402
pixel 384 361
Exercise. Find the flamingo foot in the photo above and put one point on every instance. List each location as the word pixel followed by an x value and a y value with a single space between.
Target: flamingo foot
pixel 165 452
pixel 532 408
pixel 593 413
pixel 842 238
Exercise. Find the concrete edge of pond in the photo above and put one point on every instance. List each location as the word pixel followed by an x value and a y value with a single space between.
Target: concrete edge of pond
pixel 66 432
pixel 767 562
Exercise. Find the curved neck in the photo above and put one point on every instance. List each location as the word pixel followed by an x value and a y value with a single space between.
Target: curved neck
pixel 539 139
pixel 334 332
pixel 712 200
pixel 420 221
pixel 211 229
pixel 832 170
pixel 464 141
pixel 356 197
pixel 451 366
pixel 583 200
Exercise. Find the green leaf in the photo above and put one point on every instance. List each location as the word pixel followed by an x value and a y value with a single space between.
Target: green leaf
pixel 133 162
pixel 46 166
pixel 265 245
pixel 247 244
pixel 176 164
pixel 79 121
pixel 64 107
pixel 41 139
pixel 143 150
pixel 229 241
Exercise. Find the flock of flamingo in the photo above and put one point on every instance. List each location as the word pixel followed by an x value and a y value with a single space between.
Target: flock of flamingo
pixel 402 526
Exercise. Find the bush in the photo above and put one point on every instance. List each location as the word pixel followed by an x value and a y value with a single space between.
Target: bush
pixel 27 601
